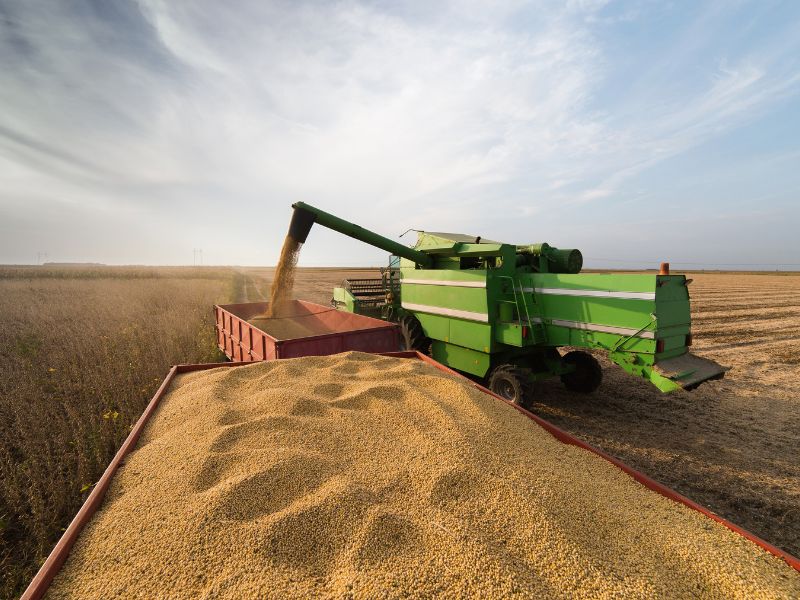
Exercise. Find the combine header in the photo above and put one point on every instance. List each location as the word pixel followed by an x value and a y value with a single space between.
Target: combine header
pixel 501 311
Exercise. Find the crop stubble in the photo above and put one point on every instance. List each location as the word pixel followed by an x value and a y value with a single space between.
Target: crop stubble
pixel 362 476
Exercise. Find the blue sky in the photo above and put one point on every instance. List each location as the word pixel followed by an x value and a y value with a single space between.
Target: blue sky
pixel 134 132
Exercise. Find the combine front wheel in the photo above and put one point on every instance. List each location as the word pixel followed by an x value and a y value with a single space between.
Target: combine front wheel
pixel 413 336
pixel 588 373
pixel 513 383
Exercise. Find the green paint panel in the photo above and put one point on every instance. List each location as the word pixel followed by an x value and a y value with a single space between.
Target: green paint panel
pixel 633 314
pixel 672 288
pixel 622 282
pixel 673 342
pixel 509 333
pixel 435 327
pixel 344 300
pixel 599 309
pixel 463 359
pixel 672 301
pixel 477 336
pixel 672 313
pixel 447 297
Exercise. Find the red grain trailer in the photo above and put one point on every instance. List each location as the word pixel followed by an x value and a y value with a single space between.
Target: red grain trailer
pixel 41 582
pixel 308 330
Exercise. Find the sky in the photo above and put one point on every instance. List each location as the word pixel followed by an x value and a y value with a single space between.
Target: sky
pixel 637 131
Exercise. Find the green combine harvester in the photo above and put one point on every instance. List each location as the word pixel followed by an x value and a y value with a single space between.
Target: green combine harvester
pixel 500 312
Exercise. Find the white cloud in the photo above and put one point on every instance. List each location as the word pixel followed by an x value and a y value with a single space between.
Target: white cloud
pixel 396 117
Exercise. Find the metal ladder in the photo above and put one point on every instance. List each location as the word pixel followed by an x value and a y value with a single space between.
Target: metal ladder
pixel 534 323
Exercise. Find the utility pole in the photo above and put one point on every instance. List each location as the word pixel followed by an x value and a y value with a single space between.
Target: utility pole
pixel 197 256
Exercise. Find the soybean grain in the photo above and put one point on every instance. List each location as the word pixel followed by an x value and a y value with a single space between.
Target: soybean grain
pixel 359 476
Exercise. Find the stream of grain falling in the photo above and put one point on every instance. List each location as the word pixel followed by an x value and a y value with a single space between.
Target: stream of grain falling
pixel 280 303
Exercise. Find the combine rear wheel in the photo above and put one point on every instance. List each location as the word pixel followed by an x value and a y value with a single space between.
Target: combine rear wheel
pixel 588 373
pixel 513 383
pixel 413 337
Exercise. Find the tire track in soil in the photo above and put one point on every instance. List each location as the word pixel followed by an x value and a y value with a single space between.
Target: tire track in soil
pixel 252 292
pixel 779 314
pixel 774 341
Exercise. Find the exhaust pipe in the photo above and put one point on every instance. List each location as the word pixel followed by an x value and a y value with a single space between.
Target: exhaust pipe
pixel 301 223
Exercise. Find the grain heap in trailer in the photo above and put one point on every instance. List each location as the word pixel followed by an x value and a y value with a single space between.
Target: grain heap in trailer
pixel 500 311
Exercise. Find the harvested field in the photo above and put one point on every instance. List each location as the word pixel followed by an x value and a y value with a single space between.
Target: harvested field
pixel 364 476
pixel 730 445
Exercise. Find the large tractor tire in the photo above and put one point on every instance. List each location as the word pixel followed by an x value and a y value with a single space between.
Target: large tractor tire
pixel 588 373
pixel 412 335
pixel 513 383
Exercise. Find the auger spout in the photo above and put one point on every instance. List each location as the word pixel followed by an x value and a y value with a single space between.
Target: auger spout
pixel 305 216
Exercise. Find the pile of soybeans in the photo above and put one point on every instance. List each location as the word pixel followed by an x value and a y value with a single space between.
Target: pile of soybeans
pixel 362 476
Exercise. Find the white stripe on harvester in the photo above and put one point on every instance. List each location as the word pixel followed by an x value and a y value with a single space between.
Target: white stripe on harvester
pixel 593 327
pixel 472 284
pixel 593 293
pixel 484 318
pixel 604 328
pixel 448 312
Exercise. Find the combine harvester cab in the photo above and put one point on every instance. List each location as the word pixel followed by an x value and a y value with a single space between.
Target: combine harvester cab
pixel 500 311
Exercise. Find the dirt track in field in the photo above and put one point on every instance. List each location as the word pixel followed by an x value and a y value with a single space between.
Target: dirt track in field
pixel 731 445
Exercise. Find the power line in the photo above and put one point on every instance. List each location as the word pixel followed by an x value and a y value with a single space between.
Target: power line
pixel 687 262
